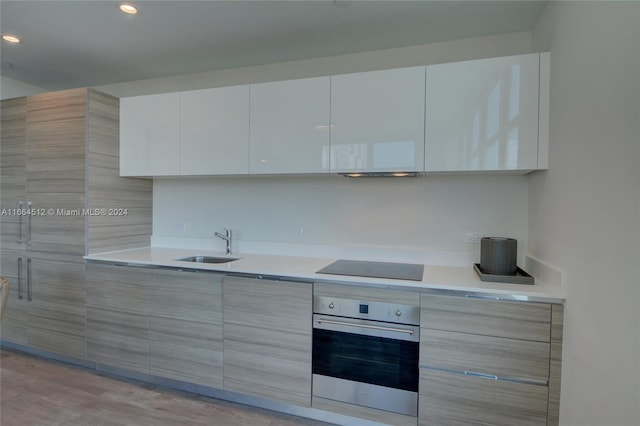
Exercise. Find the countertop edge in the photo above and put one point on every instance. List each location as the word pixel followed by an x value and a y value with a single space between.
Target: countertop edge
pixel 443 280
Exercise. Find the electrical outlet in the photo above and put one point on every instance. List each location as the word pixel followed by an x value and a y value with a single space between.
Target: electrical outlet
pixel 179 227
pixel 305 230
pixel 474 237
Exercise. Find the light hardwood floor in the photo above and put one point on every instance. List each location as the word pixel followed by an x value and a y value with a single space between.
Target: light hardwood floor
pixel 36 392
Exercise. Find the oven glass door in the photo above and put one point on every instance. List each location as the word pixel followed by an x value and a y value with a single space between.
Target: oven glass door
pixel 375 360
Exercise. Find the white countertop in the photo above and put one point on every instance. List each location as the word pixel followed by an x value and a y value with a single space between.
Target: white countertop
pixel 435 277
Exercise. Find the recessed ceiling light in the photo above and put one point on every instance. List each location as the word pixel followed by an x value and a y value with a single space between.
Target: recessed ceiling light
pixel 10 38
pixel 128 8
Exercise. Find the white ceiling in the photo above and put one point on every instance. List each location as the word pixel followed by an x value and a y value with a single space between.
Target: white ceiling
pixel 88 43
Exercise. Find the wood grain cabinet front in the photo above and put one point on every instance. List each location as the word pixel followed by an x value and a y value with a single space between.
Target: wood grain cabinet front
pixel 14 320
pixel 267 339
pixel 56 311
pixel 55 305
pixel 458 400
pixel 117 316
pixel 185 326
pixel 13 178
pixel 487 361
pixel 487 317
pixel 511 358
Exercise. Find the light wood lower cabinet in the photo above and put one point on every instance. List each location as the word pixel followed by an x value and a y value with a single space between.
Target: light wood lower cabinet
pixel 254 336
pixel 46 305
pixel 488 362
pixel 267 339
pixel 469 352
pixel 167 323
pixel 555 367
pixel 117 316
pixel 185 326
pixel 57 320
pixel 459 400
pixel 487 317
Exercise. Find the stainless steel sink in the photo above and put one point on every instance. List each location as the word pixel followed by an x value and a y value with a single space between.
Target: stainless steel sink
pixel 208 259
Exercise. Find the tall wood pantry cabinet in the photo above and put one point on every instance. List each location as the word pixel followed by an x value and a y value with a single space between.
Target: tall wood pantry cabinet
pixel 61 197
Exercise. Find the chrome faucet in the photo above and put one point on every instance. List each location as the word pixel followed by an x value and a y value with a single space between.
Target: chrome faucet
pixel 226 237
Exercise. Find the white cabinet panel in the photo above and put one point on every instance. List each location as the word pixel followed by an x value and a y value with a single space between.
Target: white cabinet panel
pixel 483 114
pixel 149 135
pixel 377 120
pixel 214 131
pixel 290 126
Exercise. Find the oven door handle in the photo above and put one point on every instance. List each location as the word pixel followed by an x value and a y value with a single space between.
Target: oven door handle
pixel 374 327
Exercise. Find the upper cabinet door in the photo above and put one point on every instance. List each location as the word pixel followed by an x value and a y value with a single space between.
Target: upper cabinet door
pixel 214 131
pixel 377 121
pixel 150 135
pixel 290 126
pixel 483 115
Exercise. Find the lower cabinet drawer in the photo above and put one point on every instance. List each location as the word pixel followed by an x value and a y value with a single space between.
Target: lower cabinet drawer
pixel 458 400
pixel 505 358
pixel 497 318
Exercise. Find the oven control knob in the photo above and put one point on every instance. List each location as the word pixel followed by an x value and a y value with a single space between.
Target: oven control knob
pixel 331 305
pixel 398 313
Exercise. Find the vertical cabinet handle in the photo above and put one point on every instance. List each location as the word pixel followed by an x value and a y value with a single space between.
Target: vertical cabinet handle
pixel 29 280
pixel 20 204
pixel 29 206
pixel 19 278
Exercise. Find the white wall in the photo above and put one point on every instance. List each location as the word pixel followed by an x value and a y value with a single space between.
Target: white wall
pixel 424 213
pixel 450 51
pixel 584 212
pixel 10 88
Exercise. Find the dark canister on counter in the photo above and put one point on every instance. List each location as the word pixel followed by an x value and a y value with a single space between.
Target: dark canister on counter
pixel 498 255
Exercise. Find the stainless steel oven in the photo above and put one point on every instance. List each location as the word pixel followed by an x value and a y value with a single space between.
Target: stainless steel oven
pixel 366 353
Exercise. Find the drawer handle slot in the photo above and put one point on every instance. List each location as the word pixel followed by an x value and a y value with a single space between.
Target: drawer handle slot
pixel 482 375
pixel 481 296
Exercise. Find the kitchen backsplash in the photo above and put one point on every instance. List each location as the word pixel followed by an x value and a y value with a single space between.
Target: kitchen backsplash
pixel 432 213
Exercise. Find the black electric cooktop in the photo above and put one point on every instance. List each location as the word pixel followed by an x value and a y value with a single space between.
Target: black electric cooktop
pixel 363 268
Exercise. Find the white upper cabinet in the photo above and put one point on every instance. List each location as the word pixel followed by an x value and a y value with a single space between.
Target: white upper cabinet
pixel 377 121
pixel 483 115
pixel 214 131
pixel 150 135
pixel 290 126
